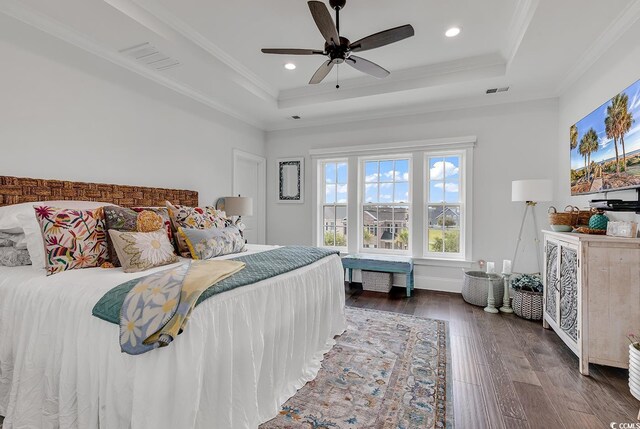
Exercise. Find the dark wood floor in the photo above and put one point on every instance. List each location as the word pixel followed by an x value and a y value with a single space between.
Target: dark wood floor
pixel 511 373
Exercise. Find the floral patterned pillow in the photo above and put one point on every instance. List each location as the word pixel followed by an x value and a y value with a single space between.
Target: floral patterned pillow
pixel 139 251
pixel 136 219
pixel 193 218
pixel 72 238
pixel 212 242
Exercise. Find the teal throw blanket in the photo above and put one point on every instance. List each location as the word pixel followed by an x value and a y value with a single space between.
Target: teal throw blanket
pixel 259 266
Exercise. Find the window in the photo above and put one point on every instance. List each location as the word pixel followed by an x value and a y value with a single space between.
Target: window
pixel 386 204
pixel 444 205
pixel 334 203
pixel 405 198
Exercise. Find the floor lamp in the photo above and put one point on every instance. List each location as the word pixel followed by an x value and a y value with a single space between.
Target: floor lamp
pixel 531 192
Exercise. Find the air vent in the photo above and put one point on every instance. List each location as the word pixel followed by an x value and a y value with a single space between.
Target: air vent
pixel 150 56
pixel 295 117
pixel 495 90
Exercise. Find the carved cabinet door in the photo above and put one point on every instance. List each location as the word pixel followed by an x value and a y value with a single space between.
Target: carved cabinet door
pixel 568 285
pixel 551 279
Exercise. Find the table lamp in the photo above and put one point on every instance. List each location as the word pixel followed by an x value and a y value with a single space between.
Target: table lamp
pixel 238 206
pixel 530 192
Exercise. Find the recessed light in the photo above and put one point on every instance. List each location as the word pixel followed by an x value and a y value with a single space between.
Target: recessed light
pixel 290 66
pixel 453 32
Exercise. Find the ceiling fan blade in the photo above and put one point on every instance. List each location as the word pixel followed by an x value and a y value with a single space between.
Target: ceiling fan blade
pixel 322 72
pixel 382 38
pixel 366 66
pixel 293 51
pixel 323 20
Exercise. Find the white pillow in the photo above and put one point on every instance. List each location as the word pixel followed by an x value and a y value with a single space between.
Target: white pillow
pixel 24 218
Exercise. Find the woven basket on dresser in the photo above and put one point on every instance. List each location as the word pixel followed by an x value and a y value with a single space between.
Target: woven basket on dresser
pixel 527 305
pixel 475 288
pixel 376 281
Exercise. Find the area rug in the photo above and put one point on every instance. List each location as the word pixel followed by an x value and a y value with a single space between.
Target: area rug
pixel 387 370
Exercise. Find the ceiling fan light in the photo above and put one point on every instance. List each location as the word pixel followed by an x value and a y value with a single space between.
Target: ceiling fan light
pixel 290 66
pixel 452 32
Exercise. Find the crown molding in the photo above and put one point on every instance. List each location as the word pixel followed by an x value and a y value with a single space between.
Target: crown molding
pixel 29 16
pixel 518 26
pixel 160 13
pixel 438 143
pixel 616 29
pixel 479 67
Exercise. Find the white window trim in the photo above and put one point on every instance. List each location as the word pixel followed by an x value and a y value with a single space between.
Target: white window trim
pixel 464 204
pixel 426 147
pixel 318 220
pixel 361 182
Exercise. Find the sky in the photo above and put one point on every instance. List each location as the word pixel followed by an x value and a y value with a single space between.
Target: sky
pixel 387 181
pixel 596 120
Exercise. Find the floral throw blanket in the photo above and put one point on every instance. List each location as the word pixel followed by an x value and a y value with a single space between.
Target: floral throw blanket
pixel 158 306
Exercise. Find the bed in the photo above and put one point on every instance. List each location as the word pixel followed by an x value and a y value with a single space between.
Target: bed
pixel 244 353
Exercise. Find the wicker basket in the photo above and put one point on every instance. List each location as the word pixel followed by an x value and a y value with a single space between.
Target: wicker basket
pixel 376 281
pixel 527 305
pixel 569 217
pixel 584 216
pixel 475 288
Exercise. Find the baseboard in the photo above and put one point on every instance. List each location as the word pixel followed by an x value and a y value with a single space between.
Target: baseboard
pixel 443 284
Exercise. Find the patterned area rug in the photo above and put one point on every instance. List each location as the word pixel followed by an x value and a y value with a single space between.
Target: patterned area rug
pixel 387 370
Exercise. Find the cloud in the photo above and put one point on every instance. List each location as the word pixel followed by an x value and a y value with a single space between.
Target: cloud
pixel 635 101
pixel 372 177
pixel 448 187
pixel 342 189
pixel 437 172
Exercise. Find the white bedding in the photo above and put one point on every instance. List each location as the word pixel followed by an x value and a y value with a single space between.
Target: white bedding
pixel 243 354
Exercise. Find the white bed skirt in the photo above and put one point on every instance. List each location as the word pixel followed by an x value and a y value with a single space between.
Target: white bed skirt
pixel 243 354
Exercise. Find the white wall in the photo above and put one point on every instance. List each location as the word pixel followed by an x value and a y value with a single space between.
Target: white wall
pixel 614 71
pixel 66 114
pixel 515 141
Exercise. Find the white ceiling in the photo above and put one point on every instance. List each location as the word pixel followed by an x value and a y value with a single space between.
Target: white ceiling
pixel 536 47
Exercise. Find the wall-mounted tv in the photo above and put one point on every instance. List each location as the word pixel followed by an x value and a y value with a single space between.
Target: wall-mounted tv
pixel 605 146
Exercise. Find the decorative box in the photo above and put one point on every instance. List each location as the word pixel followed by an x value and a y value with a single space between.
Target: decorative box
pixel 376 281
pixel 622 229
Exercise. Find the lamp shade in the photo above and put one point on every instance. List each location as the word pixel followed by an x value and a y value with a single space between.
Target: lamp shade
pixel 238 206
pixel 531 190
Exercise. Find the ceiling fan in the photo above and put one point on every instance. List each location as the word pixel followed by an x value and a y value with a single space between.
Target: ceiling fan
pixel 339 49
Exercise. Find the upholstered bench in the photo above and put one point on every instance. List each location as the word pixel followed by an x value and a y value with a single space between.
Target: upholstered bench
pixel 381 263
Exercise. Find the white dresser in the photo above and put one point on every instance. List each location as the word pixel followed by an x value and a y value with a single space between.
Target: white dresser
pixel 592 295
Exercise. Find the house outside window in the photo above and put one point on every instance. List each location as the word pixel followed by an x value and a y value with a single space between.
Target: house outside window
pixel 386 204
pixel 445 205
pixel 334 203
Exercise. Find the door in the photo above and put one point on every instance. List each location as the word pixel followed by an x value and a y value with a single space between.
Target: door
pixel 551 288
pixel 249 180
pixel 569 290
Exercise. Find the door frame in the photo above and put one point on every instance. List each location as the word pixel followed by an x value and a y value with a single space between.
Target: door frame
pixel 262 188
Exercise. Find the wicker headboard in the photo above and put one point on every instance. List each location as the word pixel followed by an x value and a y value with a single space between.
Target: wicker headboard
pixel 14 190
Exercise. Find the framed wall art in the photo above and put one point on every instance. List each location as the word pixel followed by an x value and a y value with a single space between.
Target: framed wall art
pixel 291 180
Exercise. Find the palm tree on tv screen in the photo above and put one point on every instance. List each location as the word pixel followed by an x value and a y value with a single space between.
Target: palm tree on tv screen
pixel 588 144
pixel 623 121
pixel 611 129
